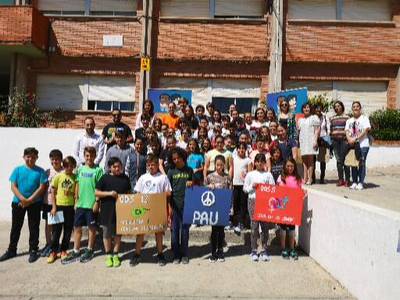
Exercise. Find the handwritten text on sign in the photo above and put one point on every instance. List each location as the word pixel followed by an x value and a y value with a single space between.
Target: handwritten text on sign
pixel 141 213
pixel 277 204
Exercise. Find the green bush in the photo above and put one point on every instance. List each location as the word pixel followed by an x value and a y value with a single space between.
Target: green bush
pixel 385 124
pixel 325 102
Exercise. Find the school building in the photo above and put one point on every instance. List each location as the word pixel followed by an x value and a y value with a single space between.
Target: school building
pixel 84 55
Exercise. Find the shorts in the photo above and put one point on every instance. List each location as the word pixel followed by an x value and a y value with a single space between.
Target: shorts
pixel 109 231
pixel 46 208
pixel 84 217
pixel 287 227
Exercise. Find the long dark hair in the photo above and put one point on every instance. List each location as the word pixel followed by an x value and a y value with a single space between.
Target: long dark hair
pixel 295 172
pixel 151 105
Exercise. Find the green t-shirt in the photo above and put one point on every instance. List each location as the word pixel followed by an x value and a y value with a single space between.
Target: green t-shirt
pixel 65 185
pixel 87 179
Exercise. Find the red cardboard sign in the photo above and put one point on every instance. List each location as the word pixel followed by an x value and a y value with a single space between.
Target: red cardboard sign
pixel 278 204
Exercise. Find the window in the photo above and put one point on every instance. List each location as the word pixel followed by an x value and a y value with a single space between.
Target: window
pixel 213 8
pixel 89 7
pixel 110 105
pixel 242 104
pixel 348 10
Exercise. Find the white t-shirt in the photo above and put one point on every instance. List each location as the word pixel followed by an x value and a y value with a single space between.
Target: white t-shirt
pixel 240 167
pixel 256 177
pixel 357 126
pixel 153 184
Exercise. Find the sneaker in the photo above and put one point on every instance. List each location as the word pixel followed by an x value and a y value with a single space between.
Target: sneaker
pixel 71 257
pixel 7 255
pixel 359 187
pixel 340 183
pixel 254 256
pixel 33 256
pixel 294 255
pixel 45 252
pixel 161 260
pixel 86 256
pixel 285 254
pixel 264 256
pixel 346 184
pixel 212 258
pixel 176 261
pixel 185 260
pixel 109 261
pixel 63 254
pixel 135 260
pixel 229 227
pixel 237 230
pixel 52 258
pixel 353 186
pixel 221 257
pixel 116 261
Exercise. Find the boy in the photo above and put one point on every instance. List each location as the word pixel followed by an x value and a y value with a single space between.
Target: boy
pixel 28 183
pixel 63 186
pixel 87 177
pixel 180 177
pixel 56 158
pixel 136 163
pixel 107 189
pixel 252 180
pixel 121 150
pixel 152 182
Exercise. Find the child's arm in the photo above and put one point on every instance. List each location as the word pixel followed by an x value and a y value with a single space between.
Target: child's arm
pixel 103 194
pixel 206 166
pixel 18 194
pixel 39 191
pixel 230 167
pixel 53 205
pixel 247 186
pixel 76 193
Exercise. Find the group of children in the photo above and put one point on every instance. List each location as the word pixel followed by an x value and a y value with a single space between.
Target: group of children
pixel 86 196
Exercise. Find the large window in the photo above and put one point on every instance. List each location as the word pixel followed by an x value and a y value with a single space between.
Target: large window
pixel 242 104
pixel 346 10
pixel 213 8
pixel 89 7
pixel 100 93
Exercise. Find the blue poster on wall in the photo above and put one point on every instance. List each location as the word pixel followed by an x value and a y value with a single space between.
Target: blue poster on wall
pixel 207 207
pixel 162 97
pixel 296 98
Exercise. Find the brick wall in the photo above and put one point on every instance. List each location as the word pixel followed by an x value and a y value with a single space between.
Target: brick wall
pixel 84 37
pixel 22 25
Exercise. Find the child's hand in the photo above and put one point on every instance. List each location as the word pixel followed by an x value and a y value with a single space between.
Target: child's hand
pixel 114 194
pixel 189 183
pixel 169 220
pixel 255 185
pixel 211 186
pixel 53 211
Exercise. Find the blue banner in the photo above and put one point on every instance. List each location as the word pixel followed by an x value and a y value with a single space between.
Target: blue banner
pixel 162 97
pixel 207 207
pixel 295 98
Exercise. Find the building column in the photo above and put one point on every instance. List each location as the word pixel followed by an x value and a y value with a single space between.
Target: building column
pixel 398 89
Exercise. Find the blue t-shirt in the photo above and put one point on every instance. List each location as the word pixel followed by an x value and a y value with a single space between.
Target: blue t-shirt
pixel 195 161
pixel 28 181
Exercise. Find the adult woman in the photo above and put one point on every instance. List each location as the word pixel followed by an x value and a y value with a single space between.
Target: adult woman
pixel 309 129
pixel 217 118
pixel 357 129
pixel 270 116
pixel 339 142
pixel 323 142
pixel 259 118
pixel 148 109
pixel 209 165
pixel 286 119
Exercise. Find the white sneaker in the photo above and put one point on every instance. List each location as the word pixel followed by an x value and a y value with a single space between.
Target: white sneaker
pixel 353 186
pixel 264 256
pixel 254 256
pixel 359 187
pixel 237 230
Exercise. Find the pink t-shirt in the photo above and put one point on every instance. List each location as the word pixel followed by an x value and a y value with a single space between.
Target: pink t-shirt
pixel 291 182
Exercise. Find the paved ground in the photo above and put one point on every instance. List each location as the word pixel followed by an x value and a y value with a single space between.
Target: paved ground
pixel 238 277
pixel 382 188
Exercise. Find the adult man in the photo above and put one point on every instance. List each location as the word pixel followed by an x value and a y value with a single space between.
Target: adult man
pixel 288 146
pixel 116 125
pixel 89 138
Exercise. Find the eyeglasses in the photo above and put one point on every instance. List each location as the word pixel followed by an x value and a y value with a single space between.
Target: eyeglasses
pixel 284 104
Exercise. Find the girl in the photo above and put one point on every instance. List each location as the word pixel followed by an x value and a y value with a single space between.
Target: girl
pixel 190 118
pixel 252 180
pixel 217 118
pixel 291 179
pixel 107 190
pixel 357 129
pixel 157 126
pixel 209 165
pixel 260 148
pixel 276 162
pixel 259 118
pixel 309 129
pixel 63 187
pixel 242 165
pixel 270 116
pixel 217 180
pixel 206 146
pixel 148 110
pixel 195 161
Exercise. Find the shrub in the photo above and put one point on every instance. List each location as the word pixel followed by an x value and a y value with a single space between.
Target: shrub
pixel 325 102
pixel 385 124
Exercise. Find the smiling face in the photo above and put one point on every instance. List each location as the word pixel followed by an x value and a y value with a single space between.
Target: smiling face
pixel 178 161
pixel 219 142
pixel 30 160
pixel 219 166
pixel 307 110
pixel 171 108
pixel 116 169
pixel 260 115
pixel 284 106
pixel 356 108
pixel 338 108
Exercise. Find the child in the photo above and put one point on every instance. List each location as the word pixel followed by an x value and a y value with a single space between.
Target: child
pixel 252 180
pixel 56 158
pixel 289 178
pixel 180 177
pixel 242 165
pixel 276 162
pixel 107 189
pixel 28 183
pixel 152 182
pixel 218 180
pixel 88 176
pixel 63 187
pixel 121 150
pixel 195 161
pixel 136 163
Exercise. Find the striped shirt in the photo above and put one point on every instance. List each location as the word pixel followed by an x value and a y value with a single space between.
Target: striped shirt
pixel 338 124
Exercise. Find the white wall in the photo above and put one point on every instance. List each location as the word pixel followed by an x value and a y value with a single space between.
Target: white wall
pixel 357 243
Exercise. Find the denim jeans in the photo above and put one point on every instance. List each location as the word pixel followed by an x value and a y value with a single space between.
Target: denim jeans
pixel 340 149
pixel 179 235
pixel 358 173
